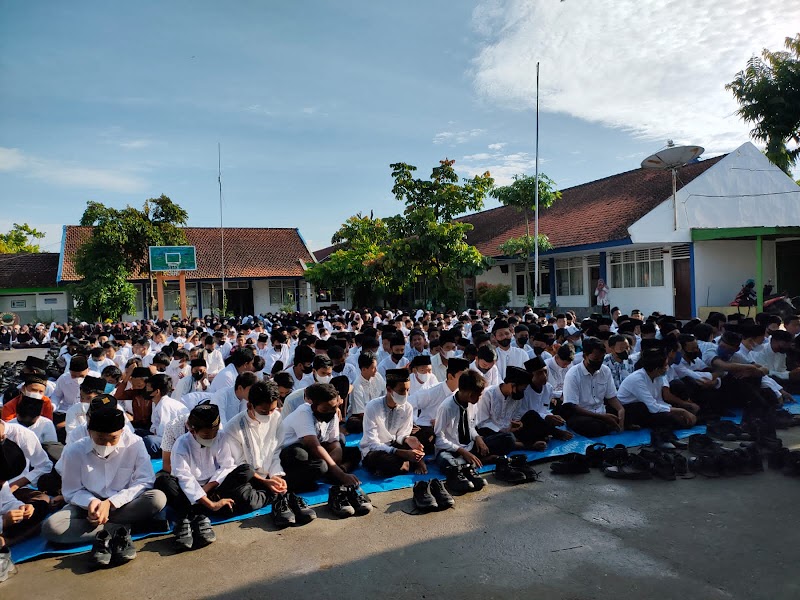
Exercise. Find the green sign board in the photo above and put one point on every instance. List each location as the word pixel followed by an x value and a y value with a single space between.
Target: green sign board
pixel 173 258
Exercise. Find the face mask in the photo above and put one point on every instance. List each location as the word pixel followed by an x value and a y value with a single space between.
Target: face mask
pixel 307 369
pixel 147 395
pixel 324 417
pixel 538 351
pixel 79 380
pixel 110 387
pixel 102 451
pixel 504 343
pixel 399 399
pixel 450 354
pixel 522 341
pixel 482 370
pixel 517 395
pixel 594 365
pixel 262 418
pixel 204 442
pixel 339 368
pixel 198 376
pixel 34 395
pixel 622 355
pixel 423 377
pixel 323 379
pixel 678 358
pixel 397 356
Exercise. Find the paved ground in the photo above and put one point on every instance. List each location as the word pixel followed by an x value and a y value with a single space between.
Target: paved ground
pixel 577 538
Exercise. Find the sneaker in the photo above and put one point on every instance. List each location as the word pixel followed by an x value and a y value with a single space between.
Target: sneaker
pixel 101 550
pixel 122 549
pixel 338 502
pixel 570 464
pixel 303 514
pixel 660 441
pixel 443 499
pixel 359 501
pixel 520 463
pixel 478 482
pixel 505 472
pixel 457 482
pixel 6 564
pixel 183 534
pixel 423 499
pixel 282 515
pixel 203 531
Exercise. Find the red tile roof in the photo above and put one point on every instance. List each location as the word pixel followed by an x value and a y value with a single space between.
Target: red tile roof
pixel 595 212
pixel 26 271
pixel 323 254
pixel 250 252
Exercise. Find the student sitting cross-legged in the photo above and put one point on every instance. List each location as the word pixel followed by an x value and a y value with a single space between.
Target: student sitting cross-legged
pixel 107 484
pixel 254 437
pixel 312 449
pixel 387 446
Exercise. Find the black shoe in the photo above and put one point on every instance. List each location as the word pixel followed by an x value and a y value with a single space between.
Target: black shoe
pixel 359 501
pixel 338 502
pixel 614 457
pixel 101 550
pixel 303 514
pixel 673 439
pixel 478 482
pixel 203 531
pixel 183 534
pixel 755 456
pixel 778 459
pixel 705 465
pixel 702 445
pixel 520 463
pixel 635 467
pixel 282 515
pixel 505 472
pixel 570 464
pixel 659 440
pixel 594 455
pixel 423 499
pixel 457 482
pixel 443 499
pixel 122 549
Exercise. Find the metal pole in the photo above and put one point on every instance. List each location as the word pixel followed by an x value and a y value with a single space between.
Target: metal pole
pixel 536 201
pixel 759 273
pixel 675 197
pixel 221 229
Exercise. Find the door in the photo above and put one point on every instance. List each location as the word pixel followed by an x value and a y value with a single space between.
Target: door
pixel 594 277
pixel 682 282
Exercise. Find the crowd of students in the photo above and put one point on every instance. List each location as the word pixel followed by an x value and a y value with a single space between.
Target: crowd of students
pixel 253 412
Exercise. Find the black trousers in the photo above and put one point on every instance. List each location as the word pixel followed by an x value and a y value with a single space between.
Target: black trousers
pixel 585 426
pixel 354 424
pixel 534 429
pixel 304 470
pixel 426 436
pixel 499 443
pixel 385 464
pixel 238 486
pixel 636 413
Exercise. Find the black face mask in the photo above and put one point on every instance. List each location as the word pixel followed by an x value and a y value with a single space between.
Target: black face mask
pixel 504 343
pixel 397 356
pixel 623 355
pixel 522 341
pixel 516 395
pixel 339 368
pixel 198 376
pixel 324 417
pixel 307 369
pixel 147 395
pixel 593 366
pixel 538 351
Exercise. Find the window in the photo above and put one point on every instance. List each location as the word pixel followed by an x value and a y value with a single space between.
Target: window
pixel 172 297
pixel 520 284
pixel 336 294
pixel 281 291
pixel 569 276
pixel 637 268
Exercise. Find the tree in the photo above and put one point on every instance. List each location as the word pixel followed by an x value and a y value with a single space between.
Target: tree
pixel 492 297
pixel 118 248
pixel 521 194
pixel 768 93
pixel 20 239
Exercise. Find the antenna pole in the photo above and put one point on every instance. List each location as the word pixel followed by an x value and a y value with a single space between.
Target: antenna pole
pixel 536 202
pixel 674 197
pixel 221 229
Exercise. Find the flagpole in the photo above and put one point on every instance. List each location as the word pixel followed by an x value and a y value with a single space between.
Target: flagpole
pixel 536 202
pixel 221 229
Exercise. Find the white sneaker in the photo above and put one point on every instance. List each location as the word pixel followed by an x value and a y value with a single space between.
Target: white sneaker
pixel 6 564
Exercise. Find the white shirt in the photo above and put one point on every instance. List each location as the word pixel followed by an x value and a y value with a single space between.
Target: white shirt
pixel 293 401
pixel 224 379
pixel 301 423
pixel 99 366
pixel 350 371
pixel 229 405
pixel 172 431
pixel 513 357
pixel 43 428
pixel 214 362
pixel 122 476
pixel 417 386
pixel 555 376
pixel 589 391
pixel 167 410
pixel 439 368
pixel 8 502
pixel 194 465
pixel 37 463
pixel 446 428
pixel 638 387
pixel 496 410
pixel 306 380
pixel 384 425
pixel 492 376
pixel 271 357
pixel 67 391
pixel 426 403
pixel 178 374
pixel 539 402
pixel 255 443
pixel 388 363
pixel 365 390
pixel 774 361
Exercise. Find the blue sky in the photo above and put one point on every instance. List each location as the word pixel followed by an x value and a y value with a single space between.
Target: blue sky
pixel 311 101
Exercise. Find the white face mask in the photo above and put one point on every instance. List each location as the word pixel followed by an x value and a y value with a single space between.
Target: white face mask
pixel 204 442
pixel 450 354
pixel 34 395
pixel 262 418
pixel 102 451
pixel 399 399
pixel 423 377
pixel 325 379
pixel 79 380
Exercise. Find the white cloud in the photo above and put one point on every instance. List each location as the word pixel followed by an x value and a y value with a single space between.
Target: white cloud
pixel 135 144
pixel 498 146
pixel 68 174
pixel 656 69
pixel 502 166
pixel 457 137
pixel 52 239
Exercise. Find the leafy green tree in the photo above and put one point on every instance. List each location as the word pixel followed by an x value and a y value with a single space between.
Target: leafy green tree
pixel 521 194
pixel 768 93
pixel 20 239
pixel 492 297
pixel 118 248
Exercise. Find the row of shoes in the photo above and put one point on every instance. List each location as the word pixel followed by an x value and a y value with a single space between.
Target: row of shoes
pixel 746 459
pixel 785 460
pixel 347 500
pixel 515 469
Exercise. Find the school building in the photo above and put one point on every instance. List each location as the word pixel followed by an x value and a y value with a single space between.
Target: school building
pixel 28 289
pixel 738 218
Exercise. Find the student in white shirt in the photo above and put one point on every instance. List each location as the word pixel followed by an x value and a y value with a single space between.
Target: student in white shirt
pixel 588 391
pixel 321 372
pixel 165 410
pixel 387 446
pixel 254 438
pixel 485 363
pixel 278 351
pixel 506 354
pixel 302 366
pixel 773 356
pixel 340 365
pixel 396 358
pixel 213 357
pixel 422 376
pixel 67 392
pixel 75 420
pixel 29 414
pixel 442 350
pixel 107 479
pixel 178 369
pixel 557 368
pixel 426 403
pixel 197 381
pixel 241 362
pixel 233 400
pixel 641 393
pixel 369 384
pixel 97 360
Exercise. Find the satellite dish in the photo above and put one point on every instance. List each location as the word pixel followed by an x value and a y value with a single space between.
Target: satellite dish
pixel 673 158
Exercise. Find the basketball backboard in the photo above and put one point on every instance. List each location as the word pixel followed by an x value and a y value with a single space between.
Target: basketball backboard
pixel 173 258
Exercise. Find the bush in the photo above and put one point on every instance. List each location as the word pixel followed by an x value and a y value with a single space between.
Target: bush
pixel 493 297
